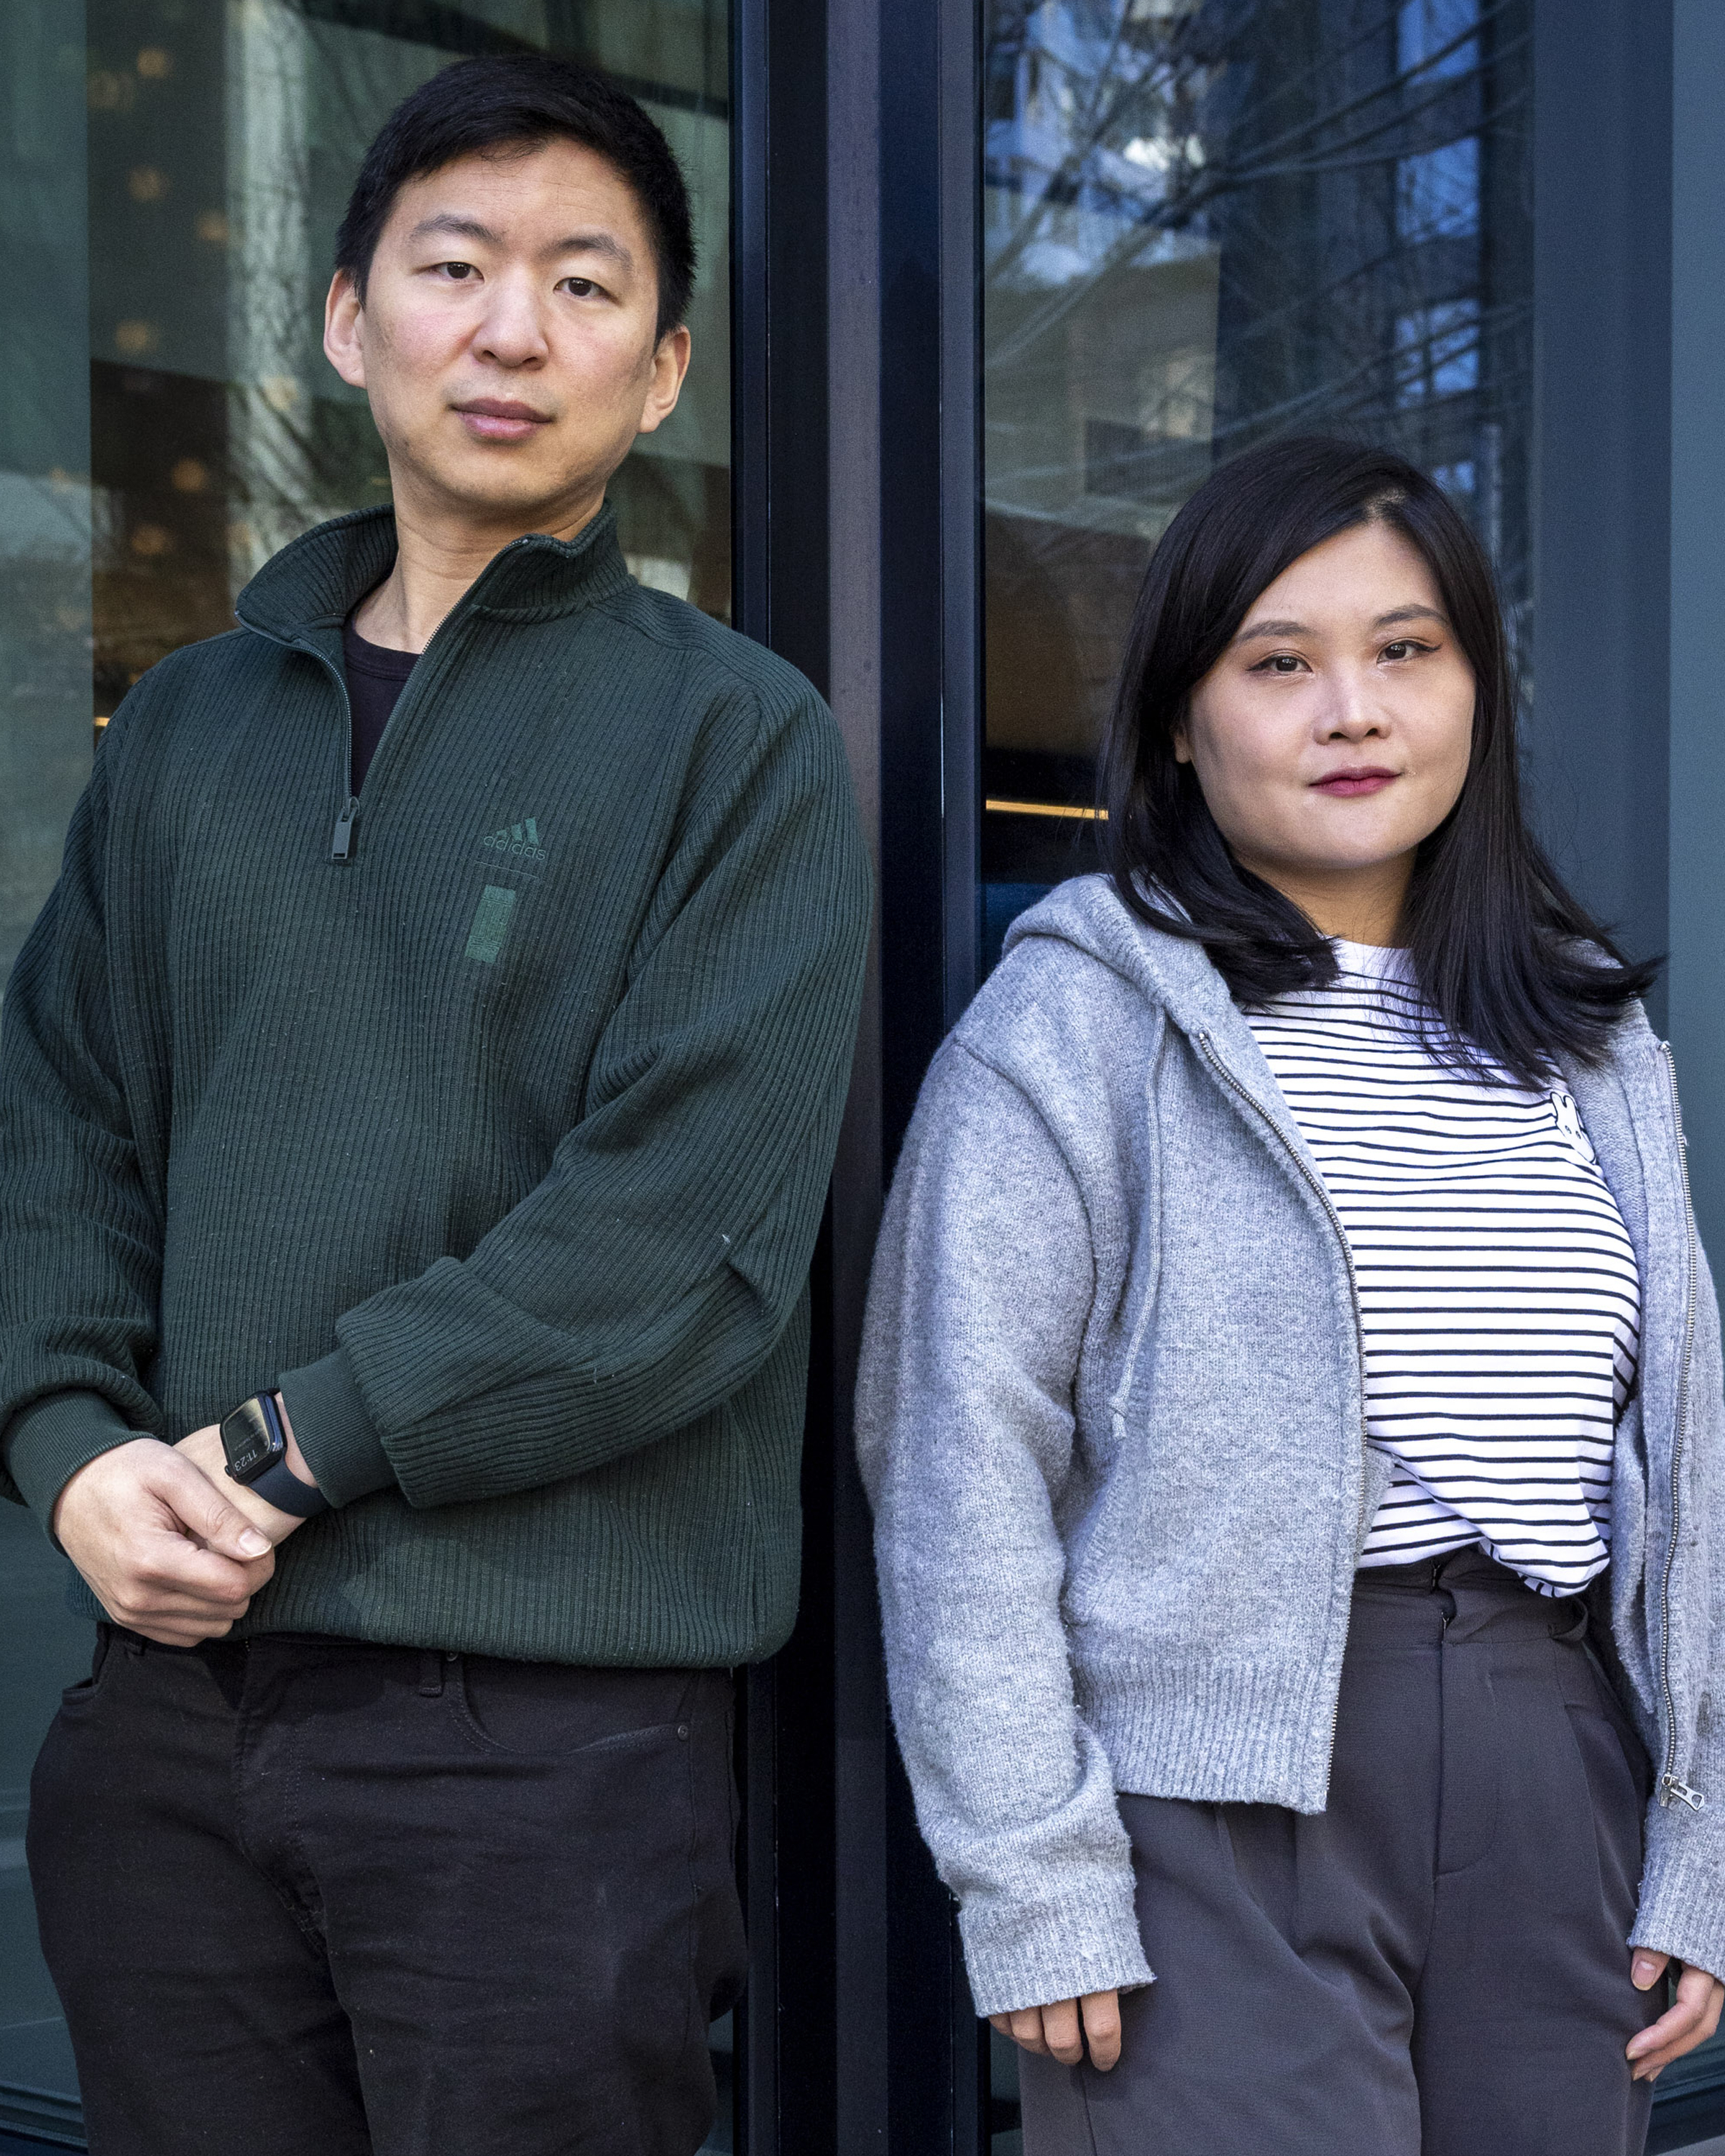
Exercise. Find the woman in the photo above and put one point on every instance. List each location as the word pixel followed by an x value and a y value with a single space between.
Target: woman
pixel 1293 1407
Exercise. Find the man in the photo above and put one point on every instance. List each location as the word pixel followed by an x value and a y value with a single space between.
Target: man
pixel 424 1128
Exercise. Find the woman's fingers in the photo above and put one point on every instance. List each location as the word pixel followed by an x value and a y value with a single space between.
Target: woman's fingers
pixel 1691 2018
pixel 1024 2027
pixel 1101 2027
pixel 1059 2032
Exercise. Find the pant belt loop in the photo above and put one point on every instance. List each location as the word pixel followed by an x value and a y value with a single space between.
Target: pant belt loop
pixel 431 1673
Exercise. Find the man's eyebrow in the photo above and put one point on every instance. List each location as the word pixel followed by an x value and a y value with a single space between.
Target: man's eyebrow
pixel 460 227
pixel 592 243
pixel 572 243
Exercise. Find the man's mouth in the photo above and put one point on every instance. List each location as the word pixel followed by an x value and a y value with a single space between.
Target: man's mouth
pixel 499 419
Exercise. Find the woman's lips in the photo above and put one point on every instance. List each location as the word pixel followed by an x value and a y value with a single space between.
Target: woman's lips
pixel 492 421
pixel 1346 785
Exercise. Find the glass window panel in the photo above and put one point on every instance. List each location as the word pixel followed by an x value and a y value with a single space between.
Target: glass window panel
pixel 171 175
pixel 1204 227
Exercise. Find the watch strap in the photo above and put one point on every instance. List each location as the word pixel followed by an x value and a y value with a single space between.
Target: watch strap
pixel 279 1486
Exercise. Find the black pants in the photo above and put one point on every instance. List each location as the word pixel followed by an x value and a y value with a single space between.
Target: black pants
pixel 1437 1964
pixel 308 1898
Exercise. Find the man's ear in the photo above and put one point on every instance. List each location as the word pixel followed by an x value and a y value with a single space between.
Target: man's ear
pixel 342 315
pixel 670 363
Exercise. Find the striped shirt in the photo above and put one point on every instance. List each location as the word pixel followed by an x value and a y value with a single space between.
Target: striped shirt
pixel 1498 1293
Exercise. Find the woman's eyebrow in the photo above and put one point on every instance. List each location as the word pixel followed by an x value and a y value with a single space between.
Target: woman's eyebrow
pixel 1410 614
pixel 1258 629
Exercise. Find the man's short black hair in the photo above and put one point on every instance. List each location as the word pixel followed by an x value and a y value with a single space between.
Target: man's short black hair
pixel 519 102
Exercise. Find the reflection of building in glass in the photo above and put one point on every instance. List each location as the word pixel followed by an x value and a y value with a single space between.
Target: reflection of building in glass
pixel 1205 225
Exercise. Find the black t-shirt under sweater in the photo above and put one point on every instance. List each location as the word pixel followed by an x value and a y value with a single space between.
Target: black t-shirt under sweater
pixel 376 677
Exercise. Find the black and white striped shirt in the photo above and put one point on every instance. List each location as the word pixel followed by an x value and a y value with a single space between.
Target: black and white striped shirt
pixel 1498 1286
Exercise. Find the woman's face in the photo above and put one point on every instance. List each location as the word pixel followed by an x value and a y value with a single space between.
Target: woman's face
pixel 1333 734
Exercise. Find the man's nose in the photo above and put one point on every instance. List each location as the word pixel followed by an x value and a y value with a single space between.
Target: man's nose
pixel 513 331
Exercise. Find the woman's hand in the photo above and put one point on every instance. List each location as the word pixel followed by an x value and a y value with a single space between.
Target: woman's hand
pixel 1690 2021
pixel 1053 2032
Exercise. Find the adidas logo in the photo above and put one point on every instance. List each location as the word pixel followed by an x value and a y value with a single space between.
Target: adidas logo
pixel 516 843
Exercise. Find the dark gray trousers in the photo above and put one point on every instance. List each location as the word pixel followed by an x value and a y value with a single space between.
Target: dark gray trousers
pixel 1435 1966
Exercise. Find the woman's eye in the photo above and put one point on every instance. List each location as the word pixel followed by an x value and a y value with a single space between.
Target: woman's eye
pixel 1404 647
pixel 1280 662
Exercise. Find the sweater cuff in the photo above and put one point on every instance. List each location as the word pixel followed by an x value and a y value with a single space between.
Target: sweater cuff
pixel 50 1441
pixel 1060 1946
pixel 1682 1907
pixel 332 1428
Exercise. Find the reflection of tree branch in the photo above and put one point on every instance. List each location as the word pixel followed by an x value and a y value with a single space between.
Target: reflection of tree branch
pixel 1191 191
pixel 1208 186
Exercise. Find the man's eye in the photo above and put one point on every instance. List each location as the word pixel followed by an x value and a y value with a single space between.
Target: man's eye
pixel 460 271
pixel 579 287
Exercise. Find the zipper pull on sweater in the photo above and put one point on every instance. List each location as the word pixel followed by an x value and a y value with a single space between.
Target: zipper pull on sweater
pixel 341 846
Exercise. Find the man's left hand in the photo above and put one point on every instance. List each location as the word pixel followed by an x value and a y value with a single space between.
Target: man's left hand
pixel 1690 2020
pixel 203 1449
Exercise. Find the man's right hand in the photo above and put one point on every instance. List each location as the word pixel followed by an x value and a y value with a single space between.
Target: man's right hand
pixel 161 1548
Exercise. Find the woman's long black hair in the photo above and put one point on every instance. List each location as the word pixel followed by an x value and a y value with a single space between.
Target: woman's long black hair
pixel 1512 965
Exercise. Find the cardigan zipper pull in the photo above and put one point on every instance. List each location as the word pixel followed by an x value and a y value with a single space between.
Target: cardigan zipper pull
pixel 1684 1795
pixel 341 846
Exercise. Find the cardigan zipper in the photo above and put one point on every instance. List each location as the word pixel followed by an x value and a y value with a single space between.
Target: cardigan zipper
pixel 1668 1785
pixel 1314 1183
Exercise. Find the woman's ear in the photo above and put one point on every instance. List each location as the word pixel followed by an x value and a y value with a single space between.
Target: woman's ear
pixel 1183 747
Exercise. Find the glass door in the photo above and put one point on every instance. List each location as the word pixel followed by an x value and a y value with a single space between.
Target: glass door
pixel 171 173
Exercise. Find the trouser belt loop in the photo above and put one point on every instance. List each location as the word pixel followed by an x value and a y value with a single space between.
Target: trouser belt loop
pixel 431 1673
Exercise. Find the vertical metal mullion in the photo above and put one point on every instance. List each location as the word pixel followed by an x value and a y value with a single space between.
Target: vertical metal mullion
pixel 960 173
pixel 856 651
pixel 781 542
pixel 750 202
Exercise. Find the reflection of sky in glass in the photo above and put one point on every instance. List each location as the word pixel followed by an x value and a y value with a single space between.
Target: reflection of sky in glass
pixel 1437 193
pixel 1437 351
pixel 1425 28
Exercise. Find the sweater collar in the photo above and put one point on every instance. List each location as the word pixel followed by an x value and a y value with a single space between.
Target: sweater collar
pixel 316 581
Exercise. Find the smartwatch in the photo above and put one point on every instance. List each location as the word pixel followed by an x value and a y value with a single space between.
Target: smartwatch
pixel 256 1446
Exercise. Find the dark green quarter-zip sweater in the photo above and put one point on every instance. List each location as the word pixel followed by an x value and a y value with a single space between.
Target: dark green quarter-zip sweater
pixel 490 1120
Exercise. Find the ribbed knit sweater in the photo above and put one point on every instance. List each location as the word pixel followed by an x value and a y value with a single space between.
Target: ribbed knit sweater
pixel 490 1118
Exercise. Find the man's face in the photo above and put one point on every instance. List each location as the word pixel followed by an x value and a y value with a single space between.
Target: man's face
pixel 507 337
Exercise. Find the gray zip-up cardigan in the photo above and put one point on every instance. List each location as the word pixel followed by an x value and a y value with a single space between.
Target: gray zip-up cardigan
pixel 1111 1421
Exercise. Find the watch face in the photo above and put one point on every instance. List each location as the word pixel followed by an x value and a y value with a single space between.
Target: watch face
pixel 248 1441
pixel 249 1454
